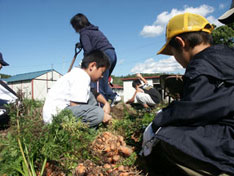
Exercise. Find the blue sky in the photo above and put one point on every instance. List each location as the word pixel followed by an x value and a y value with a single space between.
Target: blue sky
pixel 36 35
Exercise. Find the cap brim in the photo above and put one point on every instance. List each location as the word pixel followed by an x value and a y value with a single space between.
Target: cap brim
pixel 166 49
pixel 4 63
pixel 227 17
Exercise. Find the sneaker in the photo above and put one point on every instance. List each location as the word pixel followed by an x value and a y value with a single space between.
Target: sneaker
pixel 116 100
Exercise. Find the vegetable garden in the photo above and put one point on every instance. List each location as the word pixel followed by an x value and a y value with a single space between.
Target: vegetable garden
pixel 68 147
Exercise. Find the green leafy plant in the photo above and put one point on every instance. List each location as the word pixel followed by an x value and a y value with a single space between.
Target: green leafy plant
pixel 30 143
pixel 19 159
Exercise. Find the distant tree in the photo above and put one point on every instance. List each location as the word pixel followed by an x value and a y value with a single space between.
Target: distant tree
pixel 117 80
pixel 224 35
pixel 4 76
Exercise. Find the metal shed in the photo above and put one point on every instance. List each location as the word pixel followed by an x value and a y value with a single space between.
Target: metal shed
pixel 34 85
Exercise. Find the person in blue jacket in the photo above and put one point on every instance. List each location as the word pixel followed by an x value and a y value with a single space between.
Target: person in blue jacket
pixel 91 38
pixel 7 96
pixel 195 135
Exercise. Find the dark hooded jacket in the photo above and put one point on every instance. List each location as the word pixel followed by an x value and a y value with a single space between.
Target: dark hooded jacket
pixel 93 39
pixel 201 124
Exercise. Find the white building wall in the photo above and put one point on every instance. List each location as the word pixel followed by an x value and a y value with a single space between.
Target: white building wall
pixel 52 78
pixel 50 75
pixel 43 83
pixel 37 88
pixel 128 90
pixel 24 86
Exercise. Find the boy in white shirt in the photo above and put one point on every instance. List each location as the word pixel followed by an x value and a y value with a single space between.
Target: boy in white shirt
pixel 72 91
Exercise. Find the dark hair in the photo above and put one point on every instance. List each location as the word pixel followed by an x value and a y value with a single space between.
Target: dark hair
pixel 79 21
pixel 136 82
pixel 97 56
pixel 192 39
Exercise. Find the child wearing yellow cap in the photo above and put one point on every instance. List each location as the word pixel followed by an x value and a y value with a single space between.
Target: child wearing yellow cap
pixel 195 135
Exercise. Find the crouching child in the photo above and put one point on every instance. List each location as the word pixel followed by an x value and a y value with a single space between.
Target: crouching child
pixel 195 135
pixel 72 91
pixel 145 94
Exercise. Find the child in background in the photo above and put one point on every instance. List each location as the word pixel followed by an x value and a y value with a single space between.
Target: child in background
pixel 145 94
pixel 91 38
pixel 72 91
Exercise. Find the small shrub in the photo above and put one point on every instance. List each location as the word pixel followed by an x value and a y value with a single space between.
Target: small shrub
pixel 66 141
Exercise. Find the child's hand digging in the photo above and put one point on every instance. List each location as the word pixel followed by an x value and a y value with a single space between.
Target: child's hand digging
pixel 107 118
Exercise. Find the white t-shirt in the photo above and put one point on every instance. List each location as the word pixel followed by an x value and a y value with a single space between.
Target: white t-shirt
pixel 73 86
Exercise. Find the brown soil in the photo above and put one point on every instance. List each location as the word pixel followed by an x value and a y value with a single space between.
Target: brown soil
pixel 119 110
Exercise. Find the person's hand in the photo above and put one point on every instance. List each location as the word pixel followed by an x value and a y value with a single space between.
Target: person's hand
pixel 130 101
pixel 106 108
pixel 78 45
pixel 107 118
pixel 138 75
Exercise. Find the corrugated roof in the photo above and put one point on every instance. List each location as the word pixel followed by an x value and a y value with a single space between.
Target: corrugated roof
pixel 26 76
pixel 146 77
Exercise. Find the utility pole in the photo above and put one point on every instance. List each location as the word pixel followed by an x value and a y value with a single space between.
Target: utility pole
pixel 52 76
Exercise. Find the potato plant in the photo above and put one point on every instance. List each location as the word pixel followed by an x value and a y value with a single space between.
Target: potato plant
pixel 32 148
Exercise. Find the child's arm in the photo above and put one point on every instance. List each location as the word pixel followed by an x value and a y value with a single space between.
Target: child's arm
pixel 72 103
pixel 131 100
pixel 106 107
pixel 145 105
pixel 141 78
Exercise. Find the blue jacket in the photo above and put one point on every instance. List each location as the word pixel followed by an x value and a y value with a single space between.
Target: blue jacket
pixel 201 124
pixel 91 39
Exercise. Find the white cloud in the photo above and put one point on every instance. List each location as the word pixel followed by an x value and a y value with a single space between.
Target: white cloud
pixel 159 25
pixel 203 10
pixel 221 6
pixel 121 61
pixel 168 65
pixel 151 31
pixel 213 20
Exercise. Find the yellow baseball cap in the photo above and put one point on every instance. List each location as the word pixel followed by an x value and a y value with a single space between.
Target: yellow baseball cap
pixel 186 22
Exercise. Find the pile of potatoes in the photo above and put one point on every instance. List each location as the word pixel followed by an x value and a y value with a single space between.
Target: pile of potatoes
pixel 111 149
pixel 90 169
